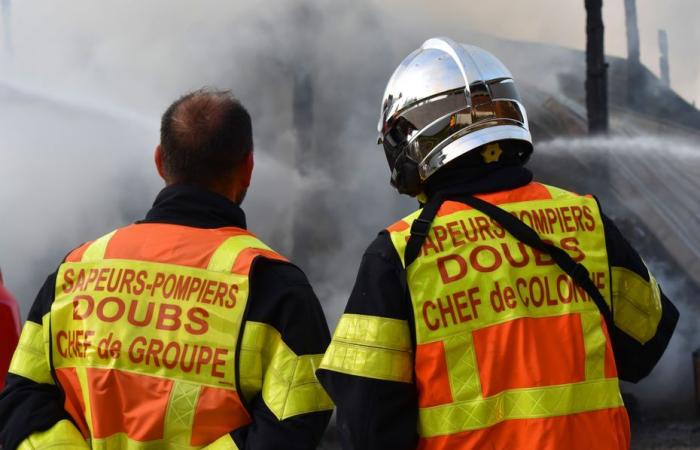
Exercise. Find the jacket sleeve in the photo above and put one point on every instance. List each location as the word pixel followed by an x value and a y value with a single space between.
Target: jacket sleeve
pixel 31 406
pixel 368 367
pixel 283 342
pixel 644 317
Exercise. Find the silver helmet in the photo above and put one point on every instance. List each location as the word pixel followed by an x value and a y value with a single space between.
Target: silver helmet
pixel 444 100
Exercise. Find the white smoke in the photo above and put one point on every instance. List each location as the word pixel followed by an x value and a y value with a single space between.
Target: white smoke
pixel 652 183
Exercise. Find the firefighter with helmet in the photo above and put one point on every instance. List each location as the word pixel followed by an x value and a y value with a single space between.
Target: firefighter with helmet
pixel 504 312
pixel 181 331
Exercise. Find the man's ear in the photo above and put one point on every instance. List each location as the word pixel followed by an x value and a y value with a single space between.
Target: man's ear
pixel 158 157
pixel 247 169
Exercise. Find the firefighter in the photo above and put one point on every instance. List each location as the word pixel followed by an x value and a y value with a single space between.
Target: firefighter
pixel 9 329
pixel 504 312
pixel 183 330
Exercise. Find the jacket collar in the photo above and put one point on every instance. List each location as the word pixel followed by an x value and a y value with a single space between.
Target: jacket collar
pixel 501 179
pixel 192 206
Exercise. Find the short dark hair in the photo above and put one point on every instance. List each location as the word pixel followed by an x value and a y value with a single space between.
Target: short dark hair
pixel 204 136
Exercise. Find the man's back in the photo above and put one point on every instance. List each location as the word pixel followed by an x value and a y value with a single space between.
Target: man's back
pixel 504 338
pixel 149 318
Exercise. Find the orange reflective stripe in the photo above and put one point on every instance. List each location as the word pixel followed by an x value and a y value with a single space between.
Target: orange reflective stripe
pixel 124 402
pixel 401 225
pixel 524 353
pixel 74 403
pixel 246 257
pixel 606 429
pixel 77 254
pixel 169 244
pixel 529 192
pixel 209 424
pixel 532 191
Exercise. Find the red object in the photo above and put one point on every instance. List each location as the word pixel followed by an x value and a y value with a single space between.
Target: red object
pixel 9 330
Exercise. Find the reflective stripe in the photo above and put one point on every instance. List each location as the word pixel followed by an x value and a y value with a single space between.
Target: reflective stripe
pixel 557 193
pixel 223 443
pixel 463 372
pixel 371 346
pixel 374 331
pixel 122 442
pixel 519 404
pixel 603 429
pixel 225 256
pixel 289 386
pixel 180 415
pixel 63 436
pixel 594 341
pixel 85 390
pixel 636 304
pixel 368 362
pixel 96 250
pixel 30 359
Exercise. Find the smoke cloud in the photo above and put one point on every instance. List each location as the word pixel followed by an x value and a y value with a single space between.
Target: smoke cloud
pixel 651 184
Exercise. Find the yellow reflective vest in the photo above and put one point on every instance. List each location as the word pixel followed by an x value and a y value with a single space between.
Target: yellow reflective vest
pixel 509 352
pixel 144 337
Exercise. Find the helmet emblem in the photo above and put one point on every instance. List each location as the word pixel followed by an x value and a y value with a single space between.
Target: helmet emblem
pixel 492 153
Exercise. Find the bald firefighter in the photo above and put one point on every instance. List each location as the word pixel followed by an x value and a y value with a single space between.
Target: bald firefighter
pixel 181 331
pixel 504 312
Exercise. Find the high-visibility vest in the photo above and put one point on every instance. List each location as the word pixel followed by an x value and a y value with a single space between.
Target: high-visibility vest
pixel 144 334
pixel 510 354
